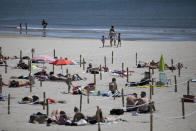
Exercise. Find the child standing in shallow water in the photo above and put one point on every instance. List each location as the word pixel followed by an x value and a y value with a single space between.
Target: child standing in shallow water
pixel 103 40
pixel 119 40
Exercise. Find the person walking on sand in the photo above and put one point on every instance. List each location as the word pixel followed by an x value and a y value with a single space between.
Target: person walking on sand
pixel 119 40
pixel 112 35
pixel 103 40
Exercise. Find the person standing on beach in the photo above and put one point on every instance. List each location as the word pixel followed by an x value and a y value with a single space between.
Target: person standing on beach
pixel 103 40
pixel 44 24
pixel 119 40
pixel 20 28
pixel 112 35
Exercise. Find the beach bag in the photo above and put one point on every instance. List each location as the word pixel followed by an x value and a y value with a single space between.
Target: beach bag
pixel 116 111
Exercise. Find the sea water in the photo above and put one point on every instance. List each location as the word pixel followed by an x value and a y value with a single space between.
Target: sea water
pixel 134 19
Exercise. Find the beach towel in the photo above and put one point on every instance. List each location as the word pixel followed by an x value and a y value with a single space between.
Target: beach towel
pixel 147 86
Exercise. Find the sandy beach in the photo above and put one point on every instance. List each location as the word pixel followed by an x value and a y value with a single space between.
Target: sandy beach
pixel 168 114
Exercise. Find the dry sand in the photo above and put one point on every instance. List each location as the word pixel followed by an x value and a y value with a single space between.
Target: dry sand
pixel 167 101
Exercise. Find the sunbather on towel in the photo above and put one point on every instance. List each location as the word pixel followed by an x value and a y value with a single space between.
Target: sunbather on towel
pixel 15 83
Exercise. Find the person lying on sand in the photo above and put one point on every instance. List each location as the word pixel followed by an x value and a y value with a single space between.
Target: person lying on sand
pixel 15 83
pixel 35 100
pixel 10 57
pixel 93 119
pixel 74 77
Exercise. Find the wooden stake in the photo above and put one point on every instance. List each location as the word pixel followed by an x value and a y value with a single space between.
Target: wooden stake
pixel 1 56
pixel 114 94
pixel 188 91
pixel 123 101
pixel 80 102
pixel 172 63
pixel 179 71
pixel 53 68
pixel 30 62
pixel 136 58
pixel 30 82
pixel 151 118
pixel 67 71
pixel 21 55
pixel 8 103
pixel 83 64
pixel 54 54
pixel 80 60
pixel 152 70
pixel 1 84
pixel 5 67
pixel 149 71
pixel 88 100
pixel 150 91
pixel 95 79
pixel 152 86
pixel 40 83
pixel 47 106
pixel 183 110
pixel 105 61
pixel 175 83
pixel 44 101
pixel 112 57
pixel 32 52
pixel 122 69
pixel 127 74
pixel 98 119
pixel 100 72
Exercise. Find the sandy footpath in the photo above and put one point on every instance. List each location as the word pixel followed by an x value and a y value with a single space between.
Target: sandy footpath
pixel 168 105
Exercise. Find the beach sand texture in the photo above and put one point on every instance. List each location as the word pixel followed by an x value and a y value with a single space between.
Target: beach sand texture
pixel 167 101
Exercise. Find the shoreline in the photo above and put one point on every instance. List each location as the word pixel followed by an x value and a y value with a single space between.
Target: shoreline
pixel 133 34
pixel 10 35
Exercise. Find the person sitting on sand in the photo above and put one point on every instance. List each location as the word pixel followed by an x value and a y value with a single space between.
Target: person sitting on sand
pixel 89 67
pixel 146 103
pixel 63 118
pixel 131 102
pixel 22 65
pixel 113 86
pixel 78 115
